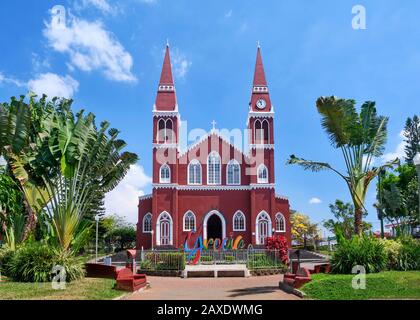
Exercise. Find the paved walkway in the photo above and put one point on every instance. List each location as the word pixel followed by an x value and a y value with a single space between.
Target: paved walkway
pixel 252 288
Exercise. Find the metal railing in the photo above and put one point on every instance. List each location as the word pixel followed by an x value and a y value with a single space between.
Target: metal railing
pixel 164 260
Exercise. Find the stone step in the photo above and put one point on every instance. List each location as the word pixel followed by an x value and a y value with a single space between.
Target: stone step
pixel 215 271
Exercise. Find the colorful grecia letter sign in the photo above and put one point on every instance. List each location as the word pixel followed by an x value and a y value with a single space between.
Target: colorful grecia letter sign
pixel 194 253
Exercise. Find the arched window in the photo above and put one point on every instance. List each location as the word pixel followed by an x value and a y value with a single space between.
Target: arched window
pixel 194 172
pixel 266 131
pixel 164 232
pixel 239 221
pixel 169 131
pixel 165 132
pixel 147 223
pixel 161 131
pixel 233 172
pixel 258 134
pixel 189 221
pixel 262 173
pixel 262 227
pixel 213 168
pixel 165 174
pixel 280 223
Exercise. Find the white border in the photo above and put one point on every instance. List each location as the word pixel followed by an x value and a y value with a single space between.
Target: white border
pixel 206 218
pixel 270 226
pixel 171 227
pixel 237 213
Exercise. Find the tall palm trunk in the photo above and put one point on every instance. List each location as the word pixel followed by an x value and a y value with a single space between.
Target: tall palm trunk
pixel 358 215
pixel 30 221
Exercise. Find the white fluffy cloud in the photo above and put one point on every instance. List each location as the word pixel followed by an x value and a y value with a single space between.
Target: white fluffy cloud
pixel 53 85
pixel 399 150
pixel 90 47
pixel 102 5
pixel 181 65
pixel 10 80
pixel 315 200
pixel 123 200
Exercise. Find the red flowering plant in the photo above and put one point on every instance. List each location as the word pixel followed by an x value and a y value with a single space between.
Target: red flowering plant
pixel 278 243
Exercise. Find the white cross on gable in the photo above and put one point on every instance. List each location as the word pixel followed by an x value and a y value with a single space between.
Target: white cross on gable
pixel 214 125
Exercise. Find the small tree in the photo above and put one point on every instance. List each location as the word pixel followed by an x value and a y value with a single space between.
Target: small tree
pixel 344 219
pixel 412 138
pixel 360 137
pixel 303 230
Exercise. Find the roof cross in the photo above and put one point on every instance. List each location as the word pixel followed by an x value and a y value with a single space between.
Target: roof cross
pixel 214 125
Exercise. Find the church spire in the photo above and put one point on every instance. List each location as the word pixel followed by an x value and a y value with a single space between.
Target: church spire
pixel 260 98
pixel 166 97
pixel 259 74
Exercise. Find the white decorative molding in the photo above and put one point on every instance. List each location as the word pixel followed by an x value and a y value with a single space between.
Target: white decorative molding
pixel 145 197
pixel 166 88
pixel 261 114
pixel 166 146
pixel 214 187
pixel 204 138
pixel 260 89
pixel 261 146
pixel 166 114
pixel 281 197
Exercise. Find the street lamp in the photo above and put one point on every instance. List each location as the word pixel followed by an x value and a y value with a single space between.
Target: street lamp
pixel 416 161
pixel 97 229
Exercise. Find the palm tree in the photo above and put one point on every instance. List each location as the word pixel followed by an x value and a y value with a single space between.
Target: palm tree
pixel 91 164
pixel 64 164
pixel 361 138
pixel 18 137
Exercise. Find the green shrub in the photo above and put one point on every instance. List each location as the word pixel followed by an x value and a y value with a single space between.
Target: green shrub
pixel 264 261
pixel 6 254
pixel 166 260
pixel 409 255
pixel 206 258
pixel 392 249
pixel 146 265
pixel 229 258
pixel 365 251
pixel 34 262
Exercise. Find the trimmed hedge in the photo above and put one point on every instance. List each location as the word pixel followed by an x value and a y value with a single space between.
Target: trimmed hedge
pixel 164 261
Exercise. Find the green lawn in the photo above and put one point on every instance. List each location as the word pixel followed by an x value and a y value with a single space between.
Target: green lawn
pixel 85 289
pixel 383 285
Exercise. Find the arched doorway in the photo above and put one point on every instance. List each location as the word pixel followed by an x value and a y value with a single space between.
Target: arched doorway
pixel 214 226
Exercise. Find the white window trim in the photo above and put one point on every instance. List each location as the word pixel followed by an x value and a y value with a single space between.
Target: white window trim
pixel 194 161
pixel 151 222
pixel 270 226
pixel 281 216
pixel 239 213
pixel 166 128
pixel 233 162
pixel 258 174
pixel 183 220
pixel 160 173
pixel 208 168
pixel 171 228
pixel 222 218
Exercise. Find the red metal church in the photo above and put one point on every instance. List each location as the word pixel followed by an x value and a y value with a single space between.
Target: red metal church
pixel 212 187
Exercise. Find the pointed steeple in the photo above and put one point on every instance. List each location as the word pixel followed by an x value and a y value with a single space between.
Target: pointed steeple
pixel 260 98
pixel 259 74
pixel 166 97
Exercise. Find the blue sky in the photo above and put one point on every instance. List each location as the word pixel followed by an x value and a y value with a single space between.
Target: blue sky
pixel 108 58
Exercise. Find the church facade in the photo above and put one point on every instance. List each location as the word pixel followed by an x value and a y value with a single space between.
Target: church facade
pixel 212 188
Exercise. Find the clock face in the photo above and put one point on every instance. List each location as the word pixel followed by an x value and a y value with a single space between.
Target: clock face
pixel 261 104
